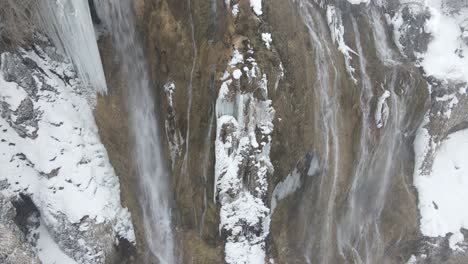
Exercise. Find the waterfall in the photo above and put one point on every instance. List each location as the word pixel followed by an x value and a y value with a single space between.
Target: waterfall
pixel 326 117
pixel 153 175
pixel 353 232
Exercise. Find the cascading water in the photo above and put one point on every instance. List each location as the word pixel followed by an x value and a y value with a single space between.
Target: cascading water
pixel 356 229
pixel 326 90
pixel 153 176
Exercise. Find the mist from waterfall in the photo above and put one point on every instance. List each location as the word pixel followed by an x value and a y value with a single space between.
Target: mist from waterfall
pixel 153 176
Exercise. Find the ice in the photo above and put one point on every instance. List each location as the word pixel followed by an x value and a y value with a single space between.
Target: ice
pixel 69 24
pixel 381 111
pixel 337 33
pixel 285 188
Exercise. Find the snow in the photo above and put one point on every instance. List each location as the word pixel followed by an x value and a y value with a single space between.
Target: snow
pixel 256 5
pixel 442 190
pixel 74 177
pixel 169 88
pixel 11 93
pixel 423 143
pixel 48 250
pixel 237 74
pixel 69 24
pixel 455 239
pixel 235 10
pixel 412 260
pixel 382 111
pixel 241 119
pixel 441 173
pixel 451 101
pixel 237 58
pixel 446 57
pixel 266 37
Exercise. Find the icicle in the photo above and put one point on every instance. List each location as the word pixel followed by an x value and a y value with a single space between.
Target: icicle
pixel 68 23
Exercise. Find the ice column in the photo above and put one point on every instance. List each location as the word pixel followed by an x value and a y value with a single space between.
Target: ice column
pixel 68 23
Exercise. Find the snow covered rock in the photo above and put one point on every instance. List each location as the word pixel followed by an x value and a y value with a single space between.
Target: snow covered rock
pixel 14 247
pixel 50 152
pixel 243 140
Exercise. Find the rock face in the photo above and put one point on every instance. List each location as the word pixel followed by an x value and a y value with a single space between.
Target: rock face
pixel 296 131
pixel 347 100
pixel 14 247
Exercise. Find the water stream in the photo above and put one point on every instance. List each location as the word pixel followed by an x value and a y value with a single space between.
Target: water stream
pixel 154 178
pixel 355 232
pixel 326 91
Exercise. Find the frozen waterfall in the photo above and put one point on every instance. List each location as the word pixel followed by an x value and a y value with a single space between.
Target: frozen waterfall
pixel 69 24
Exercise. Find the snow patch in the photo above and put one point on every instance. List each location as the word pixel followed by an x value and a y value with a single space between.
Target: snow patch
pixel 169 88
pixel 455 239
pixel 237 74
pixel 235 10
pixel 256 5
pixel 266 37
pixel 442 190
pixel 412 260
pixel 446 57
